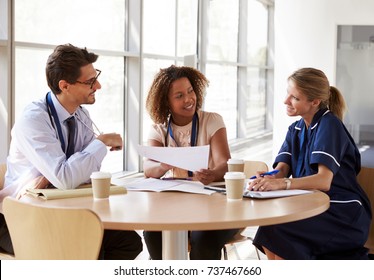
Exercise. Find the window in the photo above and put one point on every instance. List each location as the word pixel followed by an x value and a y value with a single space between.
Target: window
pixel 85 25
pixel 227 39
pixel 96 24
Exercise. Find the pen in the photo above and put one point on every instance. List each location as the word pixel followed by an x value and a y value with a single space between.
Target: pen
pixel 273 172
pixel 217 189
pixel 174 178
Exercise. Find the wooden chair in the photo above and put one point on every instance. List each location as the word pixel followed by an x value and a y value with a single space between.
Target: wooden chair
pixel 250 169
pixel 43 233
pixel 366 181
pixel 2 174
pixel 252 166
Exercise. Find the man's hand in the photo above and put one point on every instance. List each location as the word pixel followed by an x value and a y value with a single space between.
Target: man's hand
pixel 112 140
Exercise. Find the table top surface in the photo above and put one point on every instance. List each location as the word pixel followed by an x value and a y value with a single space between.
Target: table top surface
pixel 187 211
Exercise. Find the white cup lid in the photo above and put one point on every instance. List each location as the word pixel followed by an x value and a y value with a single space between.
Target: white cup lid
pixel 234 175
pixel 100 175
pixel 235 161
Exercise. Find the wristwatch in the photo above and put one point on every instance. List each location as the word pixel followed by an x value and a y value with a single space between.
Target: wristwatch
pixel 288 183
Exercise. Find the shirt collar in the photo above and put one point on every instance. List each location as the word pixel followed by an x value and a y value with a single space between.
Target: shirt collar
pixel 62 113
pixel 316 118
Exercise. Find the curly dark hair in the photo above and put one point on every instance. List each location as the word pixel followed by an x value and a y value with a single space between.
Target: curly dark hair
pixel 65 63
pixel 157 100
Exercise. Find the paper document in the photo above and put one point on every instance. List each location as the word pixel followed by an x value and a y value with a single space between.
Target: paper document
pixel 274 194
pixel 189 158
pixel 159 185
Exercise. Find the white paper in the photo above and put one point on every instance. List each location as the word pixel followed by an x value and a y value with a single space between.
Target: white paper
pixel 274 194
pixel 189 158
pixel 159 185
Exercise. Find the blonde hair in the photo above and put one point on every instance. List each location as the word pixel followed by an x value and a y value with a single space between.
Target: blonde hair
pixel 315 85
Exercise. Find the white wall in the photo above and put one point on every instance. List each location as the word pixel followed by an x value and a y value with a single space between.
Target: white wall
pixel 305 36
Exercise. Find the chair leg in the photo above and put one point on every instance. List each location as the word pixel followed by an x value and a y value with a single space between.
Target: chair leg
pixel 257 253
pixel 225 252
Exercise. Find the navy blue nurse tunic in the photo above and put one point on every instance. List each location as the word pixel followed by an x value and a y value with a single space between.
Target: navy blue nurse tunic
pixel 341 231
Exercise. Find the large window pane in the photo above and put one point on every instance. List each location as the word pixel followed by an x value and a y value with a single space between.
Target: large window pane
pixel 255 101
pixel 3 19
pixel 108 110
pixel 97 24
pixel 221 95
pixel 30 81
pixel 223 30
pixel 187 27
pixel 159 27
pixel 257 33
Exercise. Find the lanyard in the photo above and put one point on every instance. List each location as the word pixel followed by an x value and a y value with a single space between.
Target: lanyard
pixel 52 110
pixel 194 132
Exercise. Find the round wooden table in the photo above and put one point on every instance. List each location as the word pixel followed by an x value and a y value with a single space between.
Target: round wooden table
pixel 174 213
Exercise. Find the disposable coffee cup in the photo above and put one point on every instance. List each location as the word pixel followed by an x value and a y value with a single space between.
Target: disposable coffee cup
pixel 235 165
pixel 234 182
pixel 100 184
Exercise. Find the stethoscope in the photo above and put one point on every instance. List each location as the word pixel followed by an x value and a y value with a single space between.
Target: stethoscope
pixel 56 122
pixel 194 133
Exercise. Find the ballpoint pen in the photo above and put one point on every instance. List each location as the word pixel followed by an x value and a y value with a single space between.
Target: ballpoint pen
pixel 217 189
pixel 273 172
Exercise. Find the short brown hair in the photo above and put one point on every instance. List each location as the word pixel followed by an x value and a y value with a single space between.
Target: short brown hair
pixel 65 64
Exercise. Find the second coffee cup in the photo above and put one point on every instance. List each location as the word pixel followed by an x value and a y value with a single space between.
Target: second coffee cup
pixel 235 165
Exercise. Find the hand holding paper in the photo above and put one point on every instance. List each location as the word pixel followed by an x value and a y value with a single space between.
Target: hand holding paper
pixel 189 158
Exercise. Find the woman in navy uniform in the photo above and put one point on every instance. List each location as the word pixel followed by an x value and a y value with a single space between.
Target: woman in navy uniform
pixel 318 153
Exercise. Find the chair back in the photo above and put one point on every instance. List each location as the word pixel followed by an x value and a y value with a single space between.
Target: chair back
pixel 366 181
pixel 43 233
pixel 252 166
pixel 2 174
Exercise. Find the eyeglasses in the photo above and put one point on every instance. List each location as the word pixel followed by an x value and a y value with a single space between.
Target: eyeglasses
pixel 91 82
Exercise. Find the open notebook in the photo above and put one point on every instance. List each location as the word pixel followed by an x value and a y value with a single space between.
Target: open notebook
pixel 159 185
pixel 220 187
pixel 274 194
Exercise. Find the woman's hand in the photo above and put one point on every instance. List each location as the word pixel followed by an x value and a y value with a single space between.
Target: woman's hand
pixel 267 183
pixel 205 176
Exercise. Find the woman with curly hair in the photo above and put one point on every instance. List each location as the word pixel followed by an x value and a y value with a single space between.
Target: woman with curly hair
pixel 174 103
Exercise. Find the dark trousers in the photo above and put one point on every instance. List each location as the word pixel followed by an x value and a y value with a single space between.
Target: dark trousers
pixel 116 245
pixel 5 241
pixel 205 245
pixel 120 245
